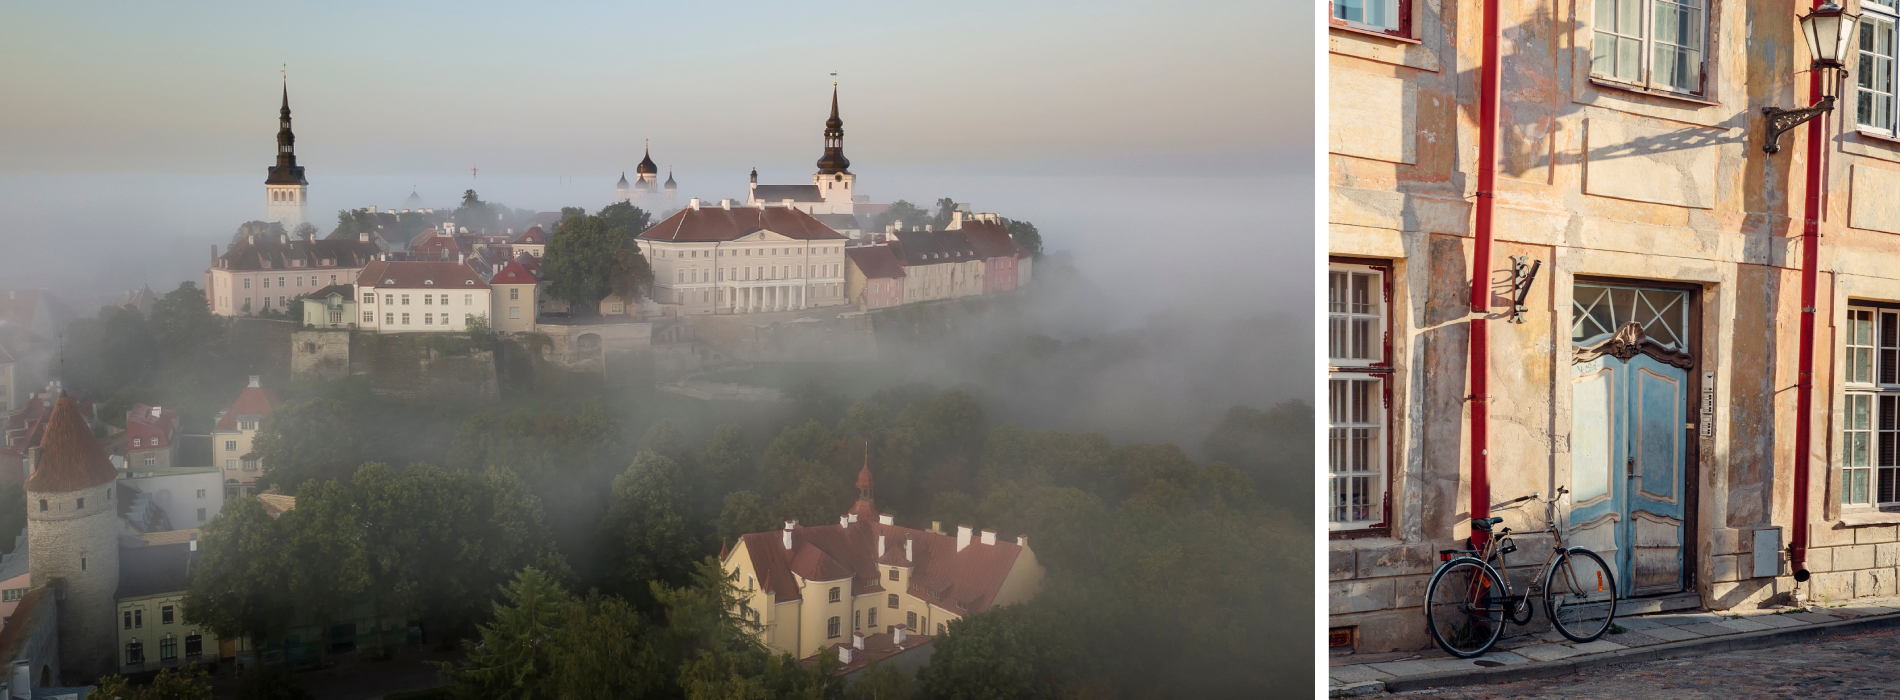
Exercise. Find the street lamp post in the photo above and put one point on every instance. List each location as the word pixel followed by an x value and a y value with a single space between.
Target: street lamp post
pixel 1828 29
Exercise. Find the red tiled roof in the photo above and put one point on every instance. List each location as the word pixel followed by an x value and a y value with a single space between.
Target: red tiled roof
pixel 277 254
pixel 147 431
pixel 70 458
pixel 252 403
pixel 419 274
pixel 719 224
pixel 532 236
pixel 878 262
pixel 528 262
pixel 962 582
pixel 991 240
pixel 34 606
pixel 512 273
pixel 933 247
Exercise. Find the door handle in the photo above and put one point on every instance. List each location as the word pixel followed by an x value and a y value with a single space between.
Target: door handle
pixel 1630 468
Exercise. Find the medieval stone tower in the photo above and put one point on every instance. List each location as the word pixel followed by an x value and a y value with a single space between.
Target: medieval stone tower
pixel 72 525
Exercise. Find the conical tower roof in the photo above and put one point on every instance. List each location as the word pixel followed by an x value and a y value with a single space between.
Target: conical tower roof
pixel 70 458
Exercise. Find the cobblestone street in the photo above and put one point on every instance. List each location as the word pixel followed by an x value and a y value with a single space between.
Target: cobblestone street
pixel 1854 666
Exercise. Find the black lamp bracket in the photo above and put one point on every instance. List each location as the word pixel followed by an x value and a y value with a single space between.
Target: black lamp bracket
pixel 1523 274
pixel 1781 121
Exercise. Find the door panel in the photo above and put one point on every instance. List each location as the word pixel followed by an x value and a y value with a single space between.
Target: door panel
pixel 1653 504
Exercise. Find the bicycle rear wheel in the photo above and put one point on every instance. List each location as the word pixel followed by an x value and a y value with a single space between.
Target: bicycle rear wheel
pixel 1465 607
pixel 1580 595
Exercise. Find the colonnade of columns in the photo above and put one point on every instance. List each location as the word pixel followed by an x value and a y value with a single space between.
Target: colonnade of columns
pixel 784 297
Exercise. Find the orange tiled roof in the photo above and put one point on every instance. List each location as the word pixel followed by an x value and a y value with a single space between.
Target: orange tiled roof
pixel 70 458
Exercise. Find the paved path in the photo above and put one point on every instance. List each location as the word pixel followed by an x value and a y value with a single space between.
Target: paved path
pixel 1855 666
pixel 1640 639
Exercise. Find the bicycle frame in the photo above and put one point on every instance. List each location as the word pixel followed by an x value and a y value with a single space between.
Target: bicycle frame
pixel 1496 545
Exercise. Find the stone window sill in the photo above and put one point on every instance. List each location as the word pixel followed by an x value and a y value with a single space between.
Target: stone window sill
pixel 1883 139
pixel 1375 34
pixel 1664 94
pixel 1869 518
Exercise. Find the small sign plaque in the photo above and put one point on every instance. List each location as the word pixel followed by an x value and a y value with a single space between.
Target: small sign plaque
pixel 1707 428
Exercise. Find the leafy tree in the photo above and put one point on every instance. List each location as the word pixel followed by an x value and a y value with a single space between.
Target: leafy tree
pixel 1025 235
pixel 262 230
pixel 304 232
pixel 581 262
pixel 632 276
pixel 352 222
pixel 953 508
pixel 626 217
pixel 515 657
pixel 110 350
pixel 272 683
pixel 646 532
pixel 742 513
pixel 187 683
pixel 812 473
pixel 1011 652
pixel 571 212
pixel 12 514
pixel 325 552
pixel 239 585
pixel 725 464
pixel 881 681
pixel 1065 522
pixel 1274 447
pixel 946 210
pixel 903 212
pixel 316 438
pixel 183 323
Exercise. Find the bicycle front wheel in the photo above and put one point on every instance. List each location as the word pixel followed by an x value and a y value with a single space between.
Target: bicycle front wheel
pixel 1580 595
pixel 1465 607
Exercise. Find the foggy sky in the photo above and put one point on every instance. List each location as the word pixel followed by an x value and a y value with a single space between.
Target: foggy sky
pixel 1166 145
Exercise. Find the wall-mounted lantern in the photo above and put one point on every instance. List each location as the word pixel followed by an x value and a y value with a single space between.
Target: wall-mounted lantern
pixel 1828 29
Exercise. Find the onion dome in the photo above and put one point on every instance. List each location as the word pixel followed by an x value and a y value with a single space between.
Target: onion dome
pixel 623 180
pixel 70 458
pixel 670 185
pixel 646 166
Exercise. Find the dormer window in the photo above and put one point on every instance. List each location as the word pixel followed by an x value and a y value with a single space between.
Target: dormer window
pixel 389 281
pixel 428 282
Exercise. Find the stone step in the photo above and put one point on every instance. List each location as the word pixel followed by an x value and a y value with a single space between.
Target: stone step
pixel 1665 603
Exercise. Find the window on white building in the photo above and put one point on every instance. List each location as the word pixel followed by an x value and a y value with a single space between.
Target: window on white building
pixel 1650 43
pixel 1356 396
pixel 405 319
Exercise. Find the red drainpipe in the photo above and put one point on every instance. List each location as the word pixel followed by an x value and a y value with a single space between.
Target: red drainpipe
pixel 1810 266
pixel 1481 264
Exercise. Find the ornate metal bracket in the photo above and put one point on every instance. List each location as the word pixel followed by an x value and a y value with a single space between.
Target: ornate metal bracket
pixel 1523 274
pixel 1781 121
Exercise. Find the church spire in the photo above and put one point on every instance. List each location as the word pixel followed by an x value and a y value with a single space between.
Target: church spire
pixel 834 162
pixel 286 171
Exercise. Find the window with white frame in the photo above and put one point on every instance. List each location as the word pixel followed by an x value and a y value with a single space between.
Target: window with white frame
pixel 1870 426
pixel 1357 413
pixel 1650 43
pixel 1385 16
pixel 1873 77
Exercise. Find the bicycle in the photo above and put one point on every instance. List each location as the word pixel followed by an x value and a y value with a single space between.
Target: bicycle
pixel 1470 598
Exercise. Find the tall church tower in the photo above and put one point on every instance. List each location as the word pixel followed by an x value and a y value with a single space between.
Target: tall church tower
pixel 286 191
pixel 72 531
pixel 834 178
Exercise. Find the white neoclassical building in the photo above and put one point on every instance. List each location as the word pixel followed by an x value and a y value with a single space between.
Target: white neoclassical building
pixel 743 259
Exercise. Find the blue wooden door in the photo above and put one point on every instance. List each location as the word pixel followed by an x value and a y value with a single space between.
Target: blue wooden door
pixel 1628 432
pixel 1653 493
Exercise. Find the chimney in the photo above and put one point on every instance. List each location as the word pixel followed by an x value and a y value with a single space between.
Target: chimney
pixel 857 640
pixel 898 636
pixel 963 537
pixel 880 546
pixel 1022 541
pixel 725 204
pixel 956 219
pixel 907 551
pixel 927 227
pixel 372 208
pixel 194 541
pixel 362 237
pixel 844 655
pixel 254 382
pixel 897 226
pixel 885 519
pixel 936 526
pixel 844 521
pixel 694 203
pixel 788 532
pixel 989 537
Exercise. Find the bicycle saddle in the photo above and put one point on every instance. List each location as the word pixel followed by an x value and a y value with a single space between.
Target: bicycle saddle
pixel 1484 524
